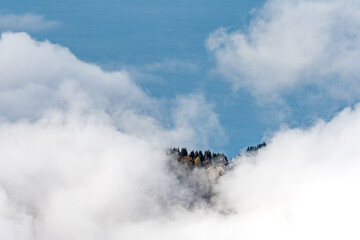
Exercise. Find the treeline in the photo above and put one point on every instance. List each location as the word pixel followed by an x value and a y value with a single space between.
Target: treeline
pixel 256 147
pixel 206 159
pixel 198 158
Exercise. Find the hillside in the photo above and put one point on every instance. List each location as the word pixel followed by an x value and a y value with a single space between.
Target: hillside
pixel 198 172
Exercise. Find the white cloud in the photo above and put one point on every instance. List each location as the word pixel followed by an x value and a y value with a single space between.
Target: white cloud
pixel 81 158
pixel 303 185
pixel 40 76
pixel 291 44
pixel 67 176
pixel 29 22
pixel 193 112
pixel 82 149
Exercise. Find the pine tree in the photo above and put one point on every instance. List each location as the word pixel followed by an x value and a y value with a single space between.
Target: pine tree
pixel 183 152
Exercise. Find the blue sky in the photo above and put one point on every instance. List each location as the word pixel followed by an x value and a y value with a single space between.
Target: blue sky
pixel 163 43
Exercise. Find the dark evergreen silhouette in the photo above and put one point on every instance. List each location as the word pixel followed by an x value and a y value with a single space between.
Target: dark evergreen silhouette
pixel 198 159
pixel 201 156
pixel 192 154
pixel 255 148
pixel 183 152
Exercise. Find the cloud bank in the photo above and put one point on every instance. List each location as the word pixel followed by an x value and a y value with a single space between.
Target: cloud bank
pixel 82 157
pixel 78 140
pixel 304 185
pixel 29 22
pixel 75 175
pixel 291 44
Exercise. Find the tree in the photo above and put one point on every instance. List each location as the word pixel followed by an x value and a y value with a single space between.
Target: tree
pixel 189 161
pixel 192 154
pixel 197 162
pixel 207 155
pixel 183 152
pixel 201 156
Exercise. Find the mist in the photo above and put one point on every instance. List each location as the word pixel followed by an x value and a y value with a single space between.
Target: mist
pixel 83 156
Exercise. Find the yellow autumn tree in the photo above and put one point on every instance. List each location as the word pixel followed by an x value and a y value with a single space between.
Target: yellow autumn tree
pixel 197 162
pixel 187 159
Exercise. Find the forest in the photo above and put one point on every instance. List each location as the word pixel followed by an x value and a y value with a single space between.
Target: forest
pixel 198 171
pixel 199 159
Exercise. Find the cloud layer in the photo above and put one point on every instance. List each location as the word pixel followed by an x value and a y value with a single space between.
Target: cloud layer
pixel 78 140
pixel 81 157
pixel 29 22
pixel 291 44
pixel 303 185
